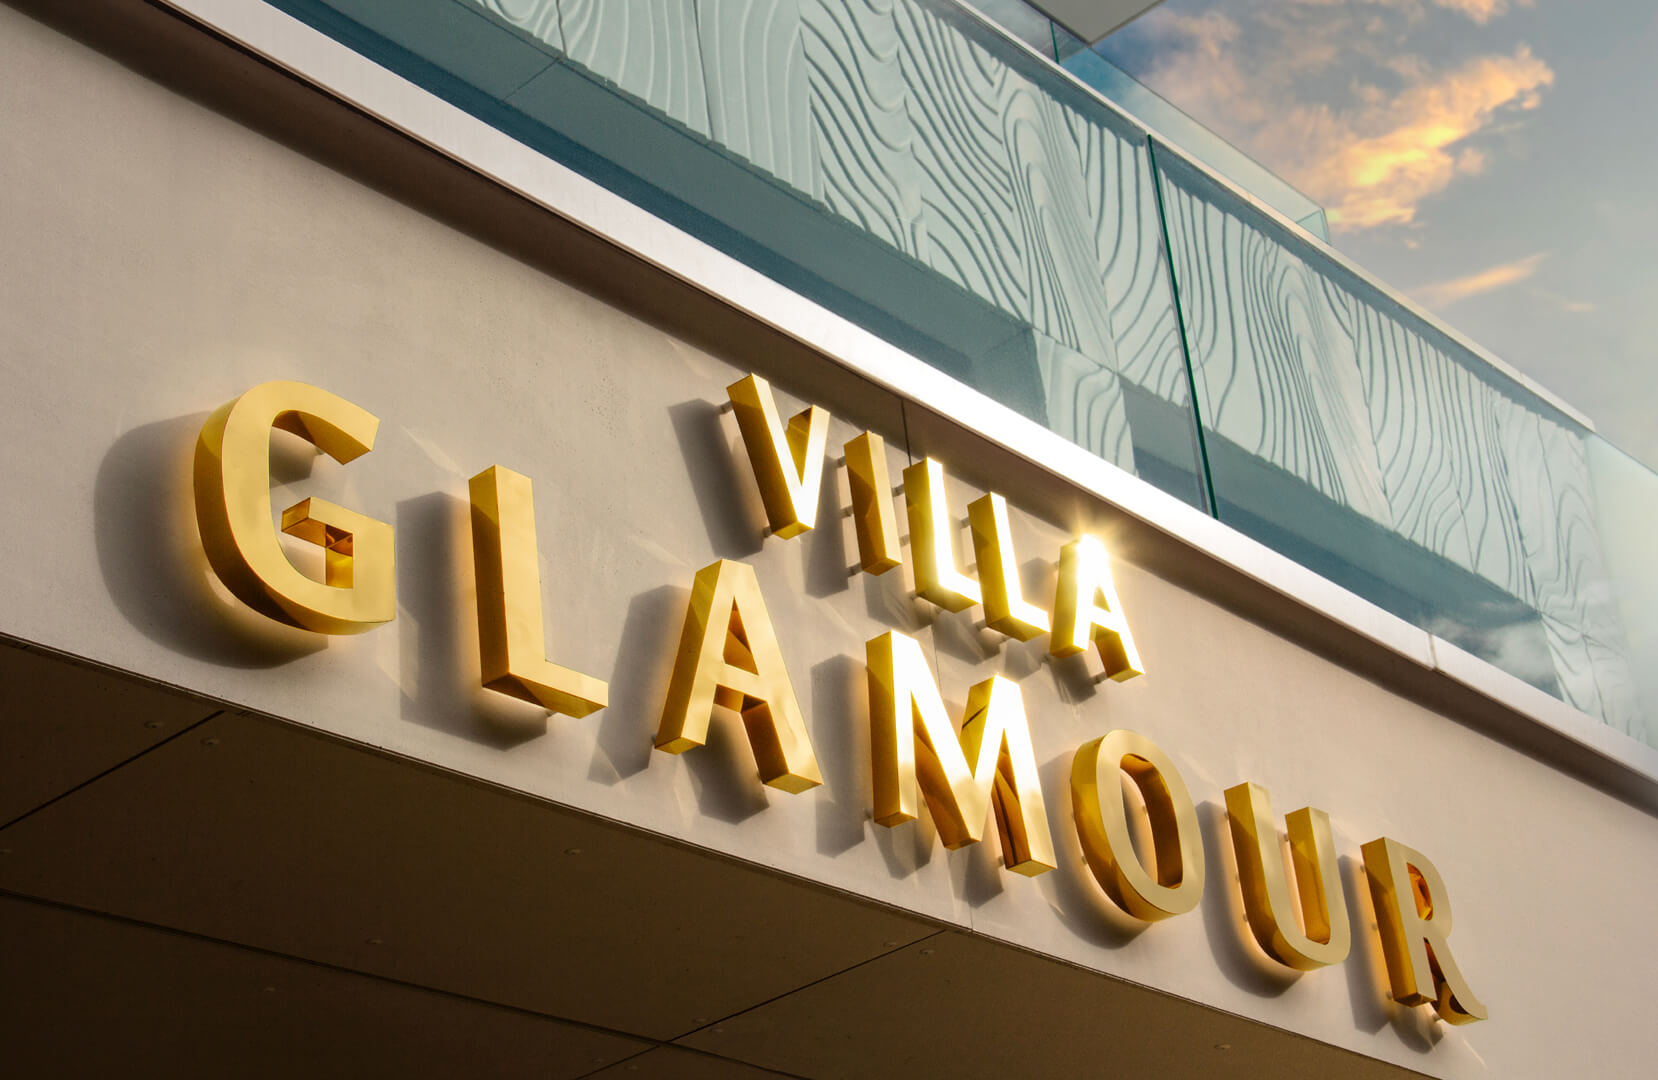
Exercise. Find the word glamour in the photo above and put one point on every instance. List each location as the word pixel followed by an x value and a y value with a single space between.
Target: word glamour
pixel 728 655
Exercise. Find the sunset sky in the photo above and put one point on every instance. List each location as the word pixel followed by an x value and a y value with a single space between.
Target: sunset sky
pixel 1496 160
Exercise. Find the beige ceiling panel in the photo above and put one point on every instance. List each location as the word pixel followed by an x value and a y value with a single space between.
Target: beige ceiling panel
pixel 92 996
pixel 61 724
pixel 672 1063
pixel 261 834
pixel 957 1005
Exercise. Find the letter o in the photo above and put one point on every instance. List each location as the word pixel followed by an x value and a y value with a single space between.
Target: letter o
pixel 1175 885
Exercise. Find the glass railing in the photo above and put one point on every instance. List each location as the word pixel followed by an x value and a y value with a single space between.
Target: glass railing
pixel 1167 120
pixel 907 165
pixel 1198 141
pixel 1351 434
pixel 1624 515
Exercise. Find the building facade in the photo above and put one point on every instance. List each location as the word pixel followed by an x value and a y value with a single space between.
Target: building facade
pixel 724 539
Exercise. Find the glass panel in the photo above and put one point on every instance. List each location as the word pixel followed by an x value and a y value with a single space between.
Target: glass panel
pixel 899 161
pixel 1626 672
pixel 1169 122
pixel 1347 432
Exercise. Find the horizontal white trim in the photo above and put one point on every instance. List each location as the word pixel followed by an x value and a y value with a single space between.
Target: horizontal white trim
pixel 1522 697
pixel 352 78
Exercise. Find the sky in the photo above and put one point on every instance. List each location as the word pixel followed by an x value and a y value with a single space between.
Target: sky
pixel 1495 160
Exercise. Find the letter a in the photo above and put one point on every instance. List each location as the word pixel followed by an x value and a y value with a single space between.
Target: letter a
pixel 728 656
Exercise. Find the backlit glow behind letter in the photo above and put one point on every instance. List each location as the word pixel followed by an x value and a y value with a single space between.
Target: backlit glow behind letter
pixel 728 656
pixel 1265 884
pixel 915 750
pixel 233 511
pixel 866 471
pixel 788 465
pixel 933 539
pixel 511 640
pixel 1175 884
pixel 1005 608
pixel 1413 918
pixel 1086 609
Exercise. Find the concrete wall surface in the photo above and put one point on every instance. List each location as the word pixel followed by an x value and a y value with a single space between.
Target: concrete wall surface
pixel 169 246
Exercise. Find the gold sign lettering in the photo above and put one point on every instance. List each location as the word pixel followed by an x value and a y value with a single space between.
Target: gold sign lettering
pixel 1176 884
pixel 232 484
pixel 728 656
pixel 1086 609
pixel 1326 937
pixel 877 527
pixel 1413 919
pixel 511 638
pixel 932 539
pixel 1005 608
pixel 788 465
pixel 915 748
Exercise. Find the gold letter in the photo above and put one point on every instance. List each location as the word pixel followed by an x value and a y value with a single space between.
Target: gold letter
pixel 1084 581
pixel 1413 919
pixel 866 470
pixel 728 655
pixel 905 707
pixel 233 512
pixel 788 468
pixel 932 543
pixel 1005 608
pixel 1102 826
pixel 1266 890
pixel 511 640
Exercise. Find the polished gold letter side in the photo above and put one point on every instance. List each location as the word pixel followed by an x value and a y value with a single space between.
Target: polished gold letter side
pixel 728 655
pixel 1413 919
pixel 1086 609
pixel 905 709
pixel 1103 828
pixel 233 511
pixel 932 539
pixel 866 470
pixel 1005 608
pixel 511 639
pixel 1266 891
pixel 788 466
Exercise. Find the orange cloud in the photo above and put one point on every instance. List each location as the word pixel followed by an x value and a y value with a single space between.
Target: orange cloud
pixel 1443 294
pixel 1482 11
pixel 1374 165
pixel 1351 114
